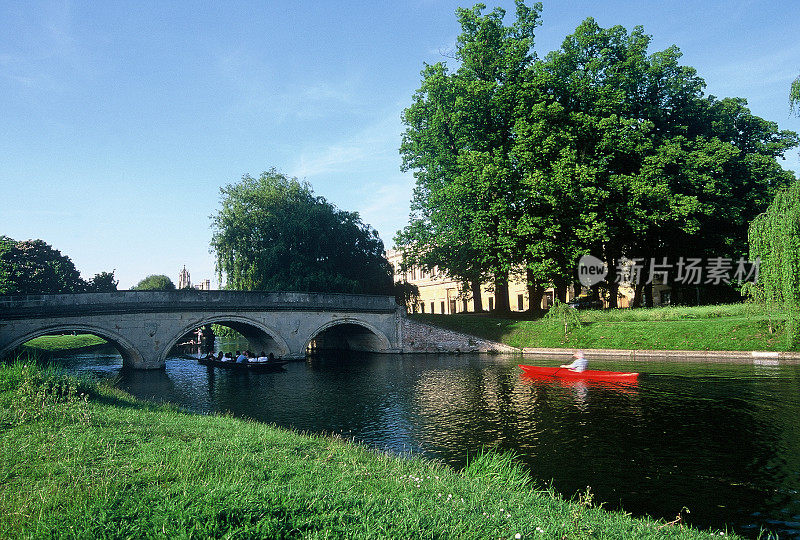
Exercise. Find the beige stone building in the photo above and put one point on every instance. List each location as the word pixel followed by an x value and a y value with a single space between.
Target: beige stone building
pixel 440 294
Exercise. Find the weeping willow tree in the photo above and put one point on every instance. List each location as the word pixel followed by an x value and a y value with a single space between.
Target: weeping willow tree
pixel 775 239
pixel 273 234
pixel 561 313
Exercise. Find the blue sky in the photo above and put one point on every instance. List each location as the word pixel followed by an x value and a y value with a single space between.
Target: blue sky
pixel 121 121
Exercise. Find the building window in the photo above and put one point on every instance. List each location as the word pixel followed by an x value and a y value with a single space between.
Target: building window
pixel 423 306
pixel 491 303
pixel 520 302
pixel 432 307
pixel 443 311
pixel 466 306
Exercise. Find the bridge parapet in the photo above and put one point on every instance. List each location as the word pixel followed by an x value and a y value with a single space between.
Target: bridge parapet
pixel 49 305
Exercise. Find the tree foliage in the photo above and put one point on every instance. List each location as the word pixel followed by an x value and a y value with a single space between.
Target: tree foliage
pixel 34 267
pixel 103 282
pixel 458 142
pixel 155 282
pixel 273 233
pixel 775 239
pixel 600 147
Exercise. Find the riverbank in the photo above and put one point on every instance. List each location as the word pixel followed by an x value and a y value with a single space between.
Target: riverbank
pixel 735 327
pixel 75 456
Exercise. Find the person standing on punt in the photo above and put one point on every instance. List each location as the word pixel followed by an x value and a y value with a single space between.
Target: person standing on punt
pixel 579 364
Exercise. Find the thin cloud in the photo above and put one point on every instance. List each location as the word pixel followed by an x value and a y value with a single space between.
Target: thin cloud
pixel 335 158
pixel 386 209
pixel 362 152
pixel 259 89
pixel 775 67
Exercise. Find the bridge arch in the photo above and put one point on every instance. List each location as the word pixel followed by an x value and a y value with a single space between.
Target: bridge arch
pixel 348 334
pixel 131 356
pixel 258 335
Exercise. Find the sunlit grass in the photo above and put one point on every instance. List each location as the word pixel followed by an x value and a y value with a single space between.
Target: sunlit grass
pixel 63 342
pixel 733 327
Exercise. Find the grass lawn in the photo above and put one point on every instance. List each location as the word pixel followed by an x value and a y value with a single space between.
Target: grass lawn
pixel 58 343
pixel 734 327
pixel 88 461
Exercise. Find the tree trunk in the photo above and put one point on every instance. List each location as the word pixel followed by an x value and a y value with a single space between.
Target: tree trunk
pixel 613 295
pixel 477 300
pixel 502 305
pixel 648 295
pixel 560 286
pixel 535 293
pixel 613 286
pixel 637 295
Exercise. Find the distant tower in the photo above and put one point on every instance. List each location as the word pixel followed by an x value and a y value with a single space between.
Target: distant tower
pixel 184 282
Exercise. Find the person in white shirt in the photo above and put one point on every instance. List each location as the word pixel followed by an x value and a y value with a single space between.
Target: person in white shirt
pixel 579 364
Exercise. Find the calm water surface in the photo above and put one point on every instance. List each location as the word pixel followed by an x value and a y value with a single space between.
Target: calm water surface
pixel 721 439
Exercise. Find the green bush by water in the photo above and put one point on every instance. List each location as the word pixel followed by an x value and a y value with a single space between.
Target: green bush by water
pixel 82 460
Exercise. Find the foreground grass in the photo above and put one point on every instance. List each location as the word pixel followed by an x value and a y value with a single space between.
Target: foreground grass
pixel 82 460
pixel 734 327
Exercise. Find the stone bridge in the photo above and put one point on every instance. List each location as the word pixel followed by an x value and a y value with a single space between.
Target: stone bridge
pixel 145 325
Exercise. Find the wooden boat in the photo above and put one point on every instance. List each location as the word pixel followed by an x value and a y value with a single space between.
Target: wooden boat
pixel 589 374
pixel 274 365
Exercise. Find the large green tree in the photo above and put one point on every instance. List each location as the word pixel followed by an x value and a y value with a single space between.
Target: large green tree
pixel 458 141
pixel 34 267
pixel 601 147
pixel 653 167
pixel 273 233
pixel 155 282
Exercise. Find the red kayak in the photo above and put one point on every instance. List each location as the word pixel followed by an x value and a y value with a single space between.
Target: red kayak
pixel 589 374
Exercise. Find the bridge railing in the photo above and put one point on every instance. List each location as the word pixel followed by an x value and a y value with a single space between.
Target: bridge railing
pixel 23 306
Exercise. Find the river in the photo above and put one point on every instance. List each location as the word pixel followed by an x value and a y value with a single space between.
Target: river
pixel 717 443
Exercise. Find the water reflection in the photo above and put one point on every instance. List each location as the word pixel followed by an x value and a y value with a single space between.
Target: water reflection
pixel 720 439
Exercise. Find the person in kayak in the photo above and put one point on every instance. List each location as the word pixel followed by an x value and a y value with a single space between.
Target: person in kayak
pixel 579 364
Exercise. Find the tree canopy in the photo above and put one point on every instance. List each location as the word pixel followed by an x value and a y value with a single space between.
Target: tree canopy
pixel 600 147
pixel 34 267
pixel 103 282
pixel 273 233
pixel 155 282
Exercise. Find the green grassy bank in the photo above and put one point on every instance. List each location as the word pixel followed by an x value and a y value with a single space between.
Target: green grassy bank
pixel 82 460
pixel 49 344
pixel 734 327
